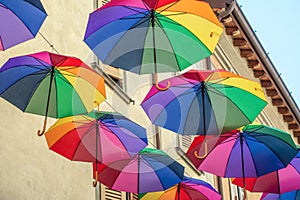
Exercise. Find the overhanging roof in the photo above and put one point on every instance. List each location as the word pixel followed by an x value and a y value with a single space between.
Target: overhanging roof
pixel 237 26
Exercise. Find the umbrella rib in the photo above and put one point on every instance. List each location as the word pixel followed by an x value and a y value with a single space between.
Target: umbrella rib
pixel 76 149
pixel 56 97
pixel 273 151
pixel 36 73
pixel 165 166
pixel 189 13
pixel 65 68
pixel 29 66
pixel 3 6
pixel 171 21
pixel 136 24
pixel 278 184
pixel 177 13
pixel 177 24
pixel 172 4
pixel 235 143
pixel 34 88
pixel 57 64
pixel 268 148
pixel 132 8
pixel 190 106
pixel 210 103
pixel 256 172
pixel 220 94
pixel 254 130
pixel 220 80
pixel 163 30
pixel 108 129
pixel 182 94
pixel 35 6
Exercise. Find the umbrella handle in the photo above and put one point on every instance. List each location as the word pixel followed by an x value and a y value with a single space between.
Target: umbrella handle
pixel 205 152
pixel 245 193
pixel 40 133
pixel 160 88
pixel 96 179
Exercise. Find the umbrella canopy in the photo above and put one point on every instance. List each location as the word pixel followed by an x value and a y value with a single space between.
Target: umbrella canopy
pixel 205 103
pixel 51 85
pixel 188 189
pixel 96 137
pixel 293 195
pixel 150 170
pixel 252 151
pixel 153 36
pixel 20 20
pixel 280 181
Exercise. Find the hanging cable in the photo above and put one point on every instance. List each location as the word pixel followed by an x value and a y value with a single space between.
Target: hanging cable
pixel 50 44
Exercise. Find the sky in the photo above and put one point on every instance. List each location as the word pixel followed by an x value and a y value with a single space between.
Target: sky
pixel 276 24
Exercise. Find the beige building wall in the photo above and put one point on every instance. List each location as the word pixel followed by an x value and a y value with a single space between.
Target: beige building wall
pixel 30 171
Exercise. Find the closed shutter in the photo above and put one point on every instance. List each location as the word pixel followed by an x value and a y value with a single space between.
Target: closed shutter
pixel 105 2
pixel 134 196
pixel 112 194
pixel 186 141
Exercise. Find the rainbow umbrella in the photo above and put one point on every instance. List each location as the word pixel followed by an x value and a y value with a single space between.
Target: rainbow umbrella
pixel 96 137
pixel 51 85
pixel 153 36
pixel 280 181
pixel 204 102
pixel 150 170
pixel 188 189
pixel 20 20
pixel 251 151
pixel 293 195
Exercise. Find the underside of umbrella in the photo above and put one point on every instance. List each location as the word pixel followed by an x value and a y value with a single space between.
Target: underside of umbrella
pixel 20 20
pixel 149 171
pixel 153 36
pixel 51 85
pixel 204 102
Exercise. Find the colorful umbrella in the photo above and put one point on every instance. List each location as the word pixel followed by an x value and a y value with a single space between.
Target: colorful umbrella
pixel 293 195
pixel 280 181
pixel 20 20
pixel 150 170
pixel 252 151
pixel 51 85
pixel 205 103
pixel 152 36
pixel 188 189
pixel 96 137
